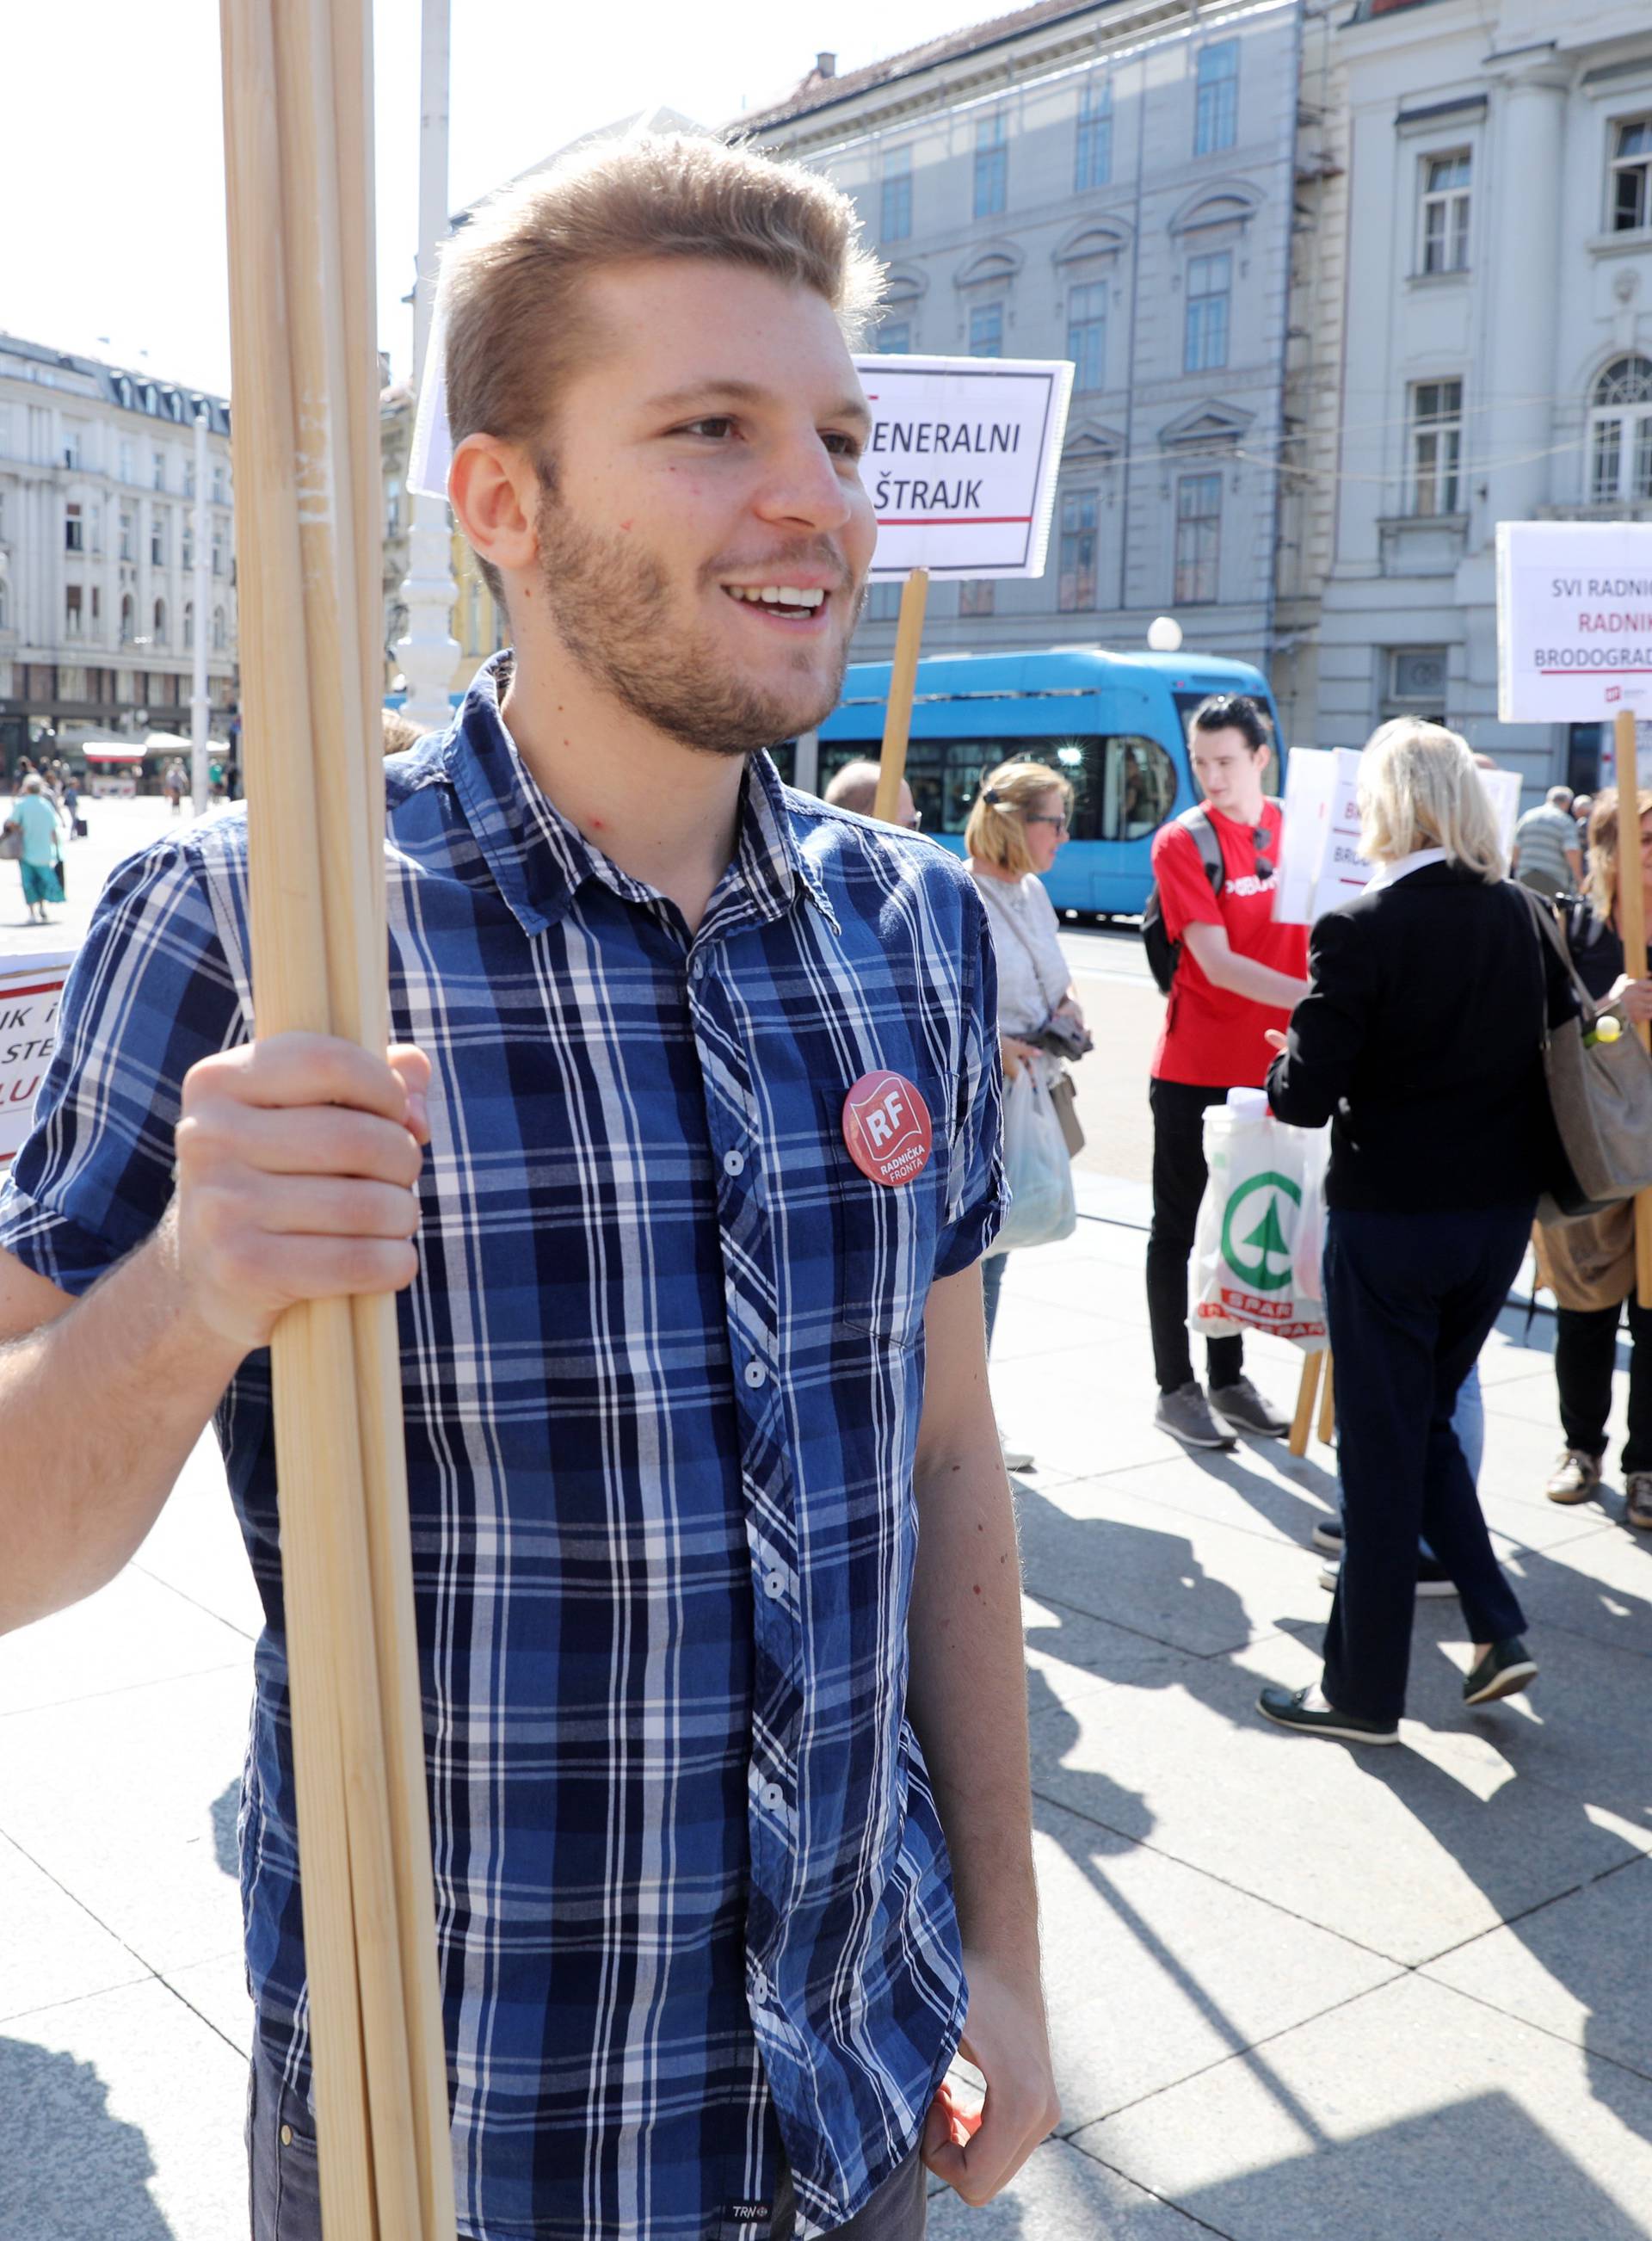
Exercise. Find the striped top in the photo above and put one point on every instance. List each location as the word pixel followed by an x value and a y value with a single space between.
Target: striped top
pixel 663 1365
pixel 1543 837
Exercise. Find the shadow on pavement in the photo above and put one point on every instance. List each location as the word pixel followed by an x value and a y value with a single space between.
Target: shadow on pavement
pixel 67 2170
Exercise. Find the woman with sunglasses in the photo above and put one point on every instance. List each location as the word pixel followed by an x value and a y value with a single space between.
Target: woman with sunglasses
pixel 1018 824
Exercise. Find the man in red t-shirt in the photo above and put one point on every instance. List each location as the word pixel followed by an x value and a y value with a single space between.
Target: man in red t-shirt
pixel 1239 974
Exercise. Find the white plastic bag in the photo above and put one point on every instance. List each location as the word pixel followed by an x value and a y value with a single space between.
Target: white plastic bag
pixel 1036 1167
pixel 1261 1228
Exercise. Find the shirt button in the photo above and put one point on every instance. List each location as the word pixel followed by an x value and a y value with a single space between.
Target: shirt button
pixel 733 1163
pixel 755 1375
pixel 775 1585
pixel 774 1798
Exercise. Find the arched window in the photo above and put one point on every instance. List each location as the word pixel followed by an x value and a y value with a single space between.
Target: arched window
pixel 1621 433
pixel 160 622
pixel 128 619
pixel 189 625
pixel 220 636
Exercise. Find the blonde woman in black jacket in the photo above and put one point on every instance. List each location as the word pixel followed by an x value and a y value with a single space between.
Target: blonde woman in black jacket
pixel 1421 1041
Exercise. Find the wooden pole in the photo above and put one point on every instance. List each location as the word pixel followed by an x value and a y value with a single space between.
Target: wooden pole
pixel 299 164
pixel 1631 924
pixel 1302 1422
pixel 903 679
pixel 1327 1401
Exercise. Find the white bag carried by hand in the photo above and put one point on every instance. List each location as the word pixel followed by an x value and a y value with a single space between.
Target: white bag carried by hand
pixel 1262 1226
pixel 1037 1167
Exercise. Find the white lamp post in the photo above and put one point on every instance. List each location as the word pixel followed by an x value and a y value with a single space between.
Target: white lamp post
pixel 429 651
pixel 200 707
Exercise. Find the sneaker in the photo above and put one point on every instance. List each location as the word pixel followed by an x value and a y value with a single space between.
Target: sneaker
pixel 1015 1458
pixel 1185 1417
pixel 1637 1505
pixel 1574 1477
pixel 1306 1711
pixel 1506 1668
pixel 1433 1579
pixel 1327 1536
pixel 1243 1407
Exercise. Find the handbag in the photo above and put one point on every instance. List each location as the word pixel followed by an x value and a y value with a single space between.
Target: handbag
pixel 1064 1097
pixel 1600 1095
pixel 11 842
pixel 1061 1038
pixel 1042 1209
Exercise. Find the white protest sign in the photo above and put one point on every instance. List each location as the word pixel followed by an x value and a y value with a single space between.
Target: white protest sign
pixel 1320 864
pixel 961 462
pixel 1573 620
pixel 31 992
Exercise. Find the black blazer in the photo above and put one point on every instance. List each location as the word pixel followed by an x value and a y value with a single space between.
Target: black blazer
pixel 1420 1041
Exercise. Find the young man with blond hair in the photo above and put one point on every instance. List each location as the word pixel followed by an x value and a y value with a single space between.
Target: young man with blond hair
pixel 682 1165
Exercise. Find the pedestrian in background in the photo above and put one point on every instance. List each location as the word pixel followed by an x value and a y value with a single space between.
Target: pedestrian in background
pixel 1020 822
pixel 1547 857
pixel 1421 1041
pixel 35 814
pixel 855 787
pixel 1590 1265
pixel 1238 973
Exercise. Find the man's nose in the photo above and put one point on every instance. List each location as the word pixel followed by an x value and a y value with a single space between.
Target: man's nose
pixel 806 486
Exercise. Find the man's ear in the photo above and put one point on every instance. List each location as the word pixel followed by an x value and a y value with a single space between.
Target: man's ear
pixel 495 493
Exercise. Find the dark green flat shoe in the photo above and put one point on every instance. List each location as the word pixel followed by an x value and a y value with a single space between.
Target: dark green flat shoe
pixel 1507 1668
pixel 1290 1708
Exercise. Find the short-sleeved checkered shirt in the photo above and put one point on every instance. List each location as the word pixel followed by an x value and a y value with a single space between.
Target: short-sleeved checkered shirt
pixel 663 1364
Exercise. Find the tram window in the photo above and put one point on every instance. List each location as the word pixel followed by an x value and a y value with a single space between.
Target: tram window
pixel 785 759
pixel 1124 784
pixel 1139 786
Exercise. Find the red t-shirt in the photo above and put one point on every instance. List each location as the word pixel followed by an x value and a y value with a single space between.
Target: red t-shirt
pixel 1211 1036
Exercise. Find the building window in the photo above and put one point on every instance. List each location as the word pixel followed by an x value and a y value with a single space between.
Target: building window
pixel 5 604
pixel 125 534
pixel 73 530
pixel 1086 334
pixel 72 448
pixel 220 631
pixel 1216 115
pixel 1445 212
pixel 220 488
pixel 1631 181
pixel 126 470
pixel 189 543
pixel 71 610
pixel 1436 447
pixel 189 476
pixel 157 539
pixel 217 551
pixel 1210 281
pixel 894 214
pixel 986 330
pixel 976 598
pixel 1092 149
pixel 992 165
pixel 1415 683
pixel 128 619
pixel 1621 433
pixel 883 603
pixel 188 626
pixel 96 609
pixel 1198 538
pixel 158 460
pixel 1076 588
pixel 893 338
pixel 160 622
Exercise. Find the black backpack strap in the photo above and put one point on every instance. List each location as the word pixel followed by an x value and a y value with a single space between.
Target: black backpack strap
pixel 1199 827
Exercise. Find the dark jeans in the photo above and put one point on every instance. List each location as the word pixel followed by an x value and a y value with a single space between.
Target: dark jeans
pixel 1410 1299
pixel 285 2190
pixel 1178 1172
pixel 1585 1356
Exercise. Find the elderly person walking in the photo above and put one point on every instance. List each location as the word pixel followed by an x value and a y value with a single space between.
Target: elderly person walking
pixel 1548 856
pixel 1419 1041
pixel 36 815
pixel 1018 824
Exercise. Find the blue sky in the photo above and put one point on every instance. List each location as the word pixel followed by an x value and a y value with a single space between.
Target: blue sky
pixel 112 219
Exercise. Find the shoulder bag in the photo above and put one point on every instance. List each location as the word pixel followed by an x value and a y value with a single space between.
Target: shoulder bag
pixel 1600 1095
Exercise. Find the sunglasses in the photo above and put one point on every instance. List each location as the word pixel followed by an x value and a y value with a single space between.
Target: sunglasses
pixel 1264 861
pixel 1062 824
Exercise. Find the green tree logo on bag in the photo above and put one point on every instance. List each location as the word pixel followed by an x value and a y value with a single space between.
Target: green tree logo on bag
pixel 1261 1255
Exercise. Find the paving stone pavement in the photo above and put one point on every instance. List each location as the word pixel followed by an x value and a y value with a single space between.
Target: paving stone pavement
pixel 1296 1991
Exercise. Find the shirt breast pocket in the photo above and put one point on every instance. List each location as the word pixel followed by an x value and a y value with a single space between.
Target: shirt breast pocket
pixel 884 1235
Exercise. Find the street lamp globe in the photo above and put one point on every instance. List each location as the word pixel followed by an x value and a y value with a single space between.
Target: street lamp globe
pixel 1164 634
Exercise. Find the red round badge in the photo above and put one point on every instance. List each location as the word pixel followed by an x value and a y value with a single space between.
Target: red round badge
pixel 885 1125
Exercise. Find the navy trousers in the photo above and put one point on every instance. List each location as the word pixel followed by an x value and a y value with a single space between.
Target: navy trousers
pixel 1410 1300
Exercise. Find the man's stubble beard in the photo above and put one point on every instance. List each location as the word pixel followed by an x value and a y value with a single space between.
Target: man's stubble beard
pixel 610 604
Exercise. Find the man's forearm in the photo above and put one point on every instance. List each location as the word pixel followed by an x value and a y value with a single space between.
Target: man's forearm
pixel 98 1412
pixel 966 1700
pixel 1244 976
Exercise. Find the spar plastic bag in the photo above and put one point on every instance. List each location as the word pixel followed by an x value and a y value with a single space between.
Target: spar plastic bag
pixel 1037 1167
pixel 1262 1226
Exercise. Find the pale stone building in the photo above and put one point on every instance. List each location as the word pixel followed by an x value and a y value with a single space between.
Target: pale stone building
pixel 98 617
pixel 1491 311
pixel 1113 185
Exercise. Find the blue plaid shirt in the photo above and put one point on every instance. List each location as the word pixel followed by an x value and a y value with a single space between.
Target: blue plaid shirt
pixel 663 1364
